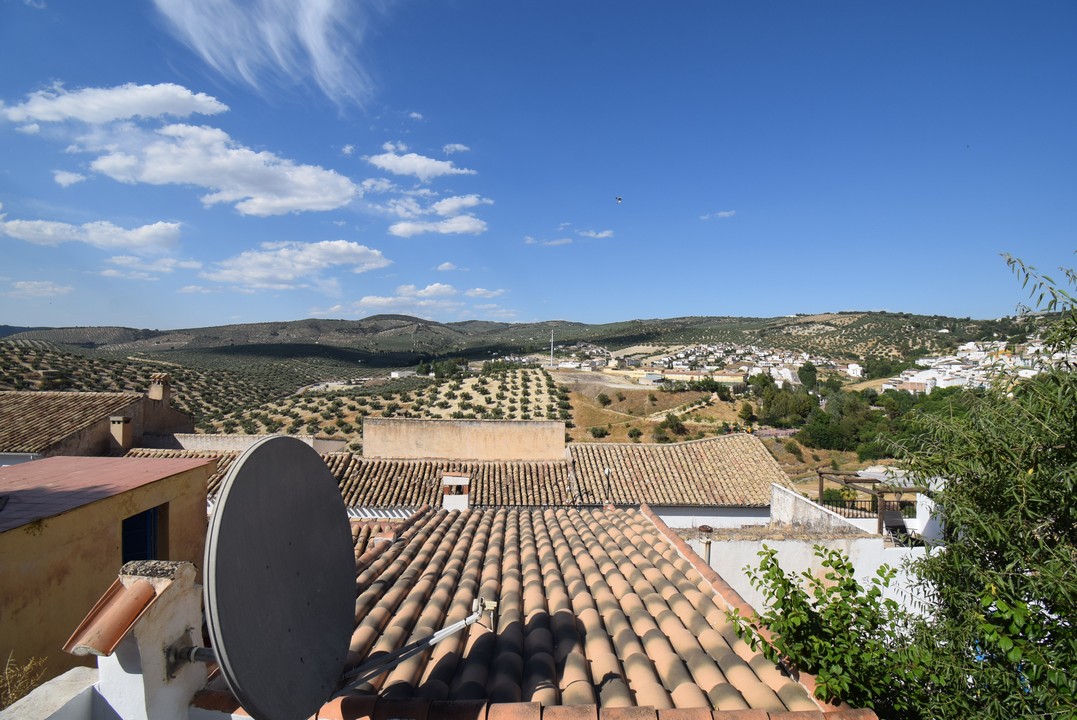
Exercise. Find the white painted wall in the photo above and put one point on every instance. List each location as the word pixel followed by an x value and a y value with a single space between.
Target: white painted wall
pixel 729 558
pixel 718 517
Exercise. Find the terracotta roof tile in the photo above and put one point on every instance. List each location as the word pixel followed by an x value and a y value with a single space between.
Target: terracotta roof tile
pixel 32 422
pixel 595 608
pixel 730 471
pixel 224 460
pixel 733 470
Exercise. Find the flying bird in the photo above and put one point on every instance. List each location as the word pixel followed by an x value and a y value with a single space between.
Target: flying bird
pixel 618 199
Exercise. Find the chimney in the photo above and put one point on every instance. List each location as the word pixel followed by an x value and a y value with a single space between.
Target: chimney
pixel 153 607
pixel 121 433
pixel 454 490
pixel 160 387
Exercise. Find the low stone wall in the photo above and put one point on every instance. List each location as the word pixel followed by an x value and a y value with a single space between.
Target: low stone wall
pixel 520 440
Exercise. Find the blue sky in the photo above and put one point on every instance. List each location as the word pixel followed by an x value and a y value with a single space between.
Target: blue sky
pixel 175 164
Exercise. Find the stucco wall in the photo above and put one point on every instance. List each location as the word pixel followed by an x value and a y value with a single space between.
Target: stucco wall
pixel 54 570
pixel 730 557
pixel 718 517
pixel 464 439
pixel 789 508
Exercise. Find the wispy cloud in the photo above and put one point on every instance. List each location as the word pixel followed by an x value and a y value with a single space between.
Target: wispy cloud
pixel 415 115
pixel 65 178
pixel 596 233
pixel 528 240
pixel 720 215
pixel 103 105
pixel 129 267
pixel 459 225
pixel 454 148
pixel 267 44
pixel 37 289
pixel 398 162
pixel 258 182
pixel 156 238
pixel 432 290
pixel 411 300
pixel 455 205
pixel 484 293
pixel 446 267
pixel 286 266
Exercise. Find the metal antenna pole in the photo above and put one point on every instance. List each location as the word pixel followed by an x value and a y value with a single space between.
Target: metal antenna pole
pixel 370 670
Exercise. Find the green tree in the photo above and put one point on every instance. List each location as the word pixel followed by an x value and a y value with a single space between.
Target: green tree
pixel 747 412
pixel 1003 642
pixel 603 399
pixel 808 375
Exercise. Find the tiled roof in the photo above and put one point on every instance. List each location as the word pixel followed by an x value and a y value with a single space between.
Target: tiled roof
pixel 32 422
pixel 596 609
pixel 223 458
pixel 377 482
pixel 731 471
pixel 51 486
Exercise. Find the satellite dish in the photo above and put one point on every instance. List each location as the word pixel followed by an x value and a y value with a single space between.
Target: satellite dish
pixel 280 580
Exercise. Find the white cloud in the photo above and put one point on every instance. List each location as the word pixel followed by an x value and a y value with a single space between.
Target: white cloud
pixel 127 274
pixel 259 183
pixel 347 149
pixel 455 205
pixel 528 240
pixel 420 166
pixel 454 148
pixel 147 239
pixel 415 115
pixel 433 290
pixel 596 234
pixel 484 293
pixel 159 265
pixel 721 215
pixel 404 207
pixel 29 129
pixel 194 290
pixel 37 289
pixel 459 225
pixel 102 105
pixel 269 43
pixel 285 266
pixel 377 185
pixel 409 305
pixel 446 266
pixel 66 179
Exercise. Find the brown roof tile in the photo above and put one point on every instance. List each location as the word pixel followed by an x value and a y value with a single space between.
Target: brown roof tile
pixel 595 608
pixel 730 471
pixel 224 460
pixel 32 422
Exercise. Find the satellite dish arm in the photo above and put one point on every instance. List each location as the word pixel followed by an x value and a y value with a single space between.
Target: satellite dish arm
pixel 370 670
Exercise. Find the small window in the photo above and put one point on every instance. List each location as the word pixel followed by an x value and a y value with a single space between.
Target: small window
pixel 145 535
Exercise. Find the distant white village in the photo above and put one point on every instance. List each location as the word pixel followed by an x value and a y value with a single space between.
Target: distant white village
pixel 973 364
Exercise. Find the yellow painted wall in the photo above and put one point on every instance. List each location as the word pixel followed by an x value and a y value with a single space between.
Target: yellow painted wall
pixel 464 439
pixel 54 570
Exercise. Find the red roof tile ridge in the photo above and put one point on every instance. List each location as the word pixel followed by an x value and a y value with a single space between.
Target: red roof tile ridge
pixel 731 597
pixel 111 618
pixel 366 707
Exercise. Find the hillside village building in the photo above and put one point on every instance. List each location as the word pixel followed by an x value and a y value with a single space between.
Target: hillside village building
pixel 68 523
pixel 35 425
